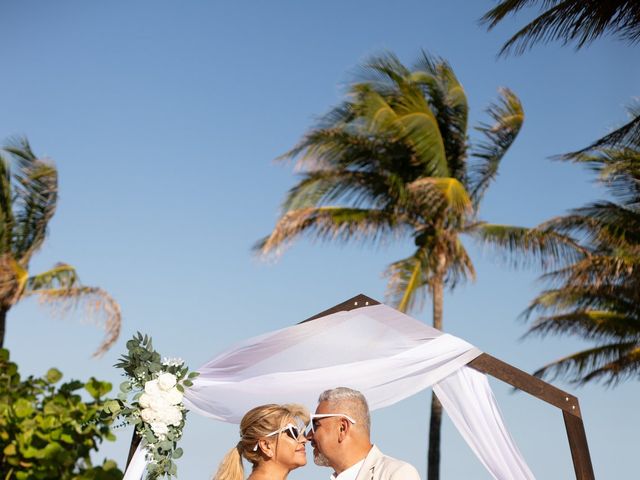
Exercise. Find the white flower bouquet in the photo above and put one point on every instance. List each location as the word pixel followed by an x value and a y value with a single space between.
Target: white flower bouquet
pixel 156 388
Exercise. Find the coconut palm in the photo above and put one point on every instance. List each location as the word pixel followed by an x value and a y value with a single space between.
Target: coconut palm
pixel 597 297
pixel 580 21
pixel 28 197
pixel 394 160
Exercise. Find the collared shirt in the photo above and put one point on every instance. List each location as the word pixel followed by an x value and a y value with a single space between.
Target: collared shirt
pixel 350 473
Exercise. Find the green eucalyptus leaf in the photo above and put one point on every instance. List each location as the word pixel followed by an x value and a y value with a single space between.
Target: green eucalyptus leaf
pixel 149 437
pixel 165 445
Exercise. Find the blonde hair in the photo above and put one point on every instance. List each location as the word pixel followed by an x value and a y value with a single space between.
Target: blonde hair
pixel 256 424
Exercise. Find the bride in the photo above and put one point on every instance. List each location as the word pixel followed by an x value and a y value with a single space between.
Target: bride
pixel 272 440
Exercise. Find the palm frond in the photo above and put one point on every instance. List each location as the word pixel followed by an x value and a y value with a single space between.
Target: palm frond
pixel 616 160
pixel 600 224
pixel 568 21
pixel 409 120
pixel 330 223
pixel 460 267
pixel 61 276
pixel 356 188
pixel 384 72
pixel 598 270
pixel 406 282
pixel 628 135
pixel 618 170
pixel 521 246
pixel 448 101
pixel 571 298
pixel 507 117
pixel 588 324
pixel 341 149
pixel 100 308
pixel 339 115
pixel 36 192
pixel 435 196
pixel 6 207
pixel 609 363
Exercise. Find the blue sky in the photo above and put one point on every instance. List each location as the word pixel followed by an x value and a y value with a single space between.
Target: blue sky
pixel 164 118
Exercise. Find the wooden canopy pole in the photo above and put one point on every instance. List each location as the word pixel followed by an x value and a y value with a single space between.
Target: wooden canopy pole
pixel 521 380
pixel 133 446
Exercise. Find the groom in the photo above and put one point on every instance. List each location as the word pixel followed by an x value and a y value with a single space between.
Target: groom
pixel 341 440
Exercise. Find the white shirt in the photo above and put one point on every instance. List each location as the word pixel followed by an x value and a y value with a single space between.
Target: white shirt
pixel 350 473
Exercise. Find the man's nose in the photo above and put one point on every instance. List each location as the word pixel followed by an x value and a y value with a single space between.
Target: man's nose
pixel 309 435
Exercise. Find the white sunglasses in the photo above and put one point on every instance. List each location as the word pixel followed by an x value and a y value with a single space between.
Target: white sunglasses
pixel 290 429
pixel 316 416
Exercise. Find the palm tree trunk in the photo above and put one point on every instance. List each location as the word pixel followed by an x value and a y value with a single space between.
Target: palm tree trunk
pixel 3 325
pixel 435 424
pixel 435 427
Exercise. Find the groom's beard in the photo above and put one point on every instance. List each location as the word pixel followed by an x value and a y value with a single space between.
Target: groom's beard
pixel 319 459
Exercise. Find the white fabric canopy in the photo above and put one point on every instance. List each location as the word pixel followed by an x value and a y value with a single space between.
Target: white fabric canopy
pixel 378 350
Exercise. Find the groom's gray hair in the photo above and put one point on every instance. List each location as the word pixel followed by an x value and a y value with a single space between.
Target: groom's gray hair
pixel 351 402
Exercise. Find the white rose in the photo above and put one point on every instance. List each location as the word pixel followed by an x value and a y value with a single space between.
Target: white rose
pixel 173 396
pixel 144 400
pixel 158 402
pixel 160 429
pixel 166 381
pixel 152 388
pixel 171 415
pixel 148 415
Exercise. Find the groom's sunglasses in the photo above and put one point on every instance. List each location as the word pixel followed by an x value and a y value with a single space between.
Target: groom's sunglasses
pixel 290 429
pixel 316 416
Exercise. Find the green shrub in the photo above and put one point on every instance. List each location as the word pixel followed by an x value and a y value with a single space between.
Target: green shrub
pixel 49 432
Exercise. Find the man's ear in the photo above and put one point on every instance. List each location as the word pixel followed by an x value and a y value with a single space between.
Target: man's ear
pixel 343 429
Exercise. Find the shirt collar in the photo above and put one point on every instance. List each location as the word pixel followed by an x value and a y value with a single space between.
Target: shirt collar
pixel 350 473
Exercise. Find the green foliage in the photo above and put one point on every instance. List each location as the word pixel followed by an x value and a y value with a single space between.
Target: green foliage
pixel 47 431
pixel 141 362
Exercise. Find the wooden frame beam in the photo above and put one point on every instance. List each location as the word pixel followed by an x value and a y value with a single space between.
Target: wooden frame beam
pixel 515 377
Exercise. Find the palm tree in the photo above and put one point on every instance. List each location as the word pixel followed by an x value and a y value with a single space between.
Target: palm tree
pixel 394 160
pixel 28 197
pixel 597 297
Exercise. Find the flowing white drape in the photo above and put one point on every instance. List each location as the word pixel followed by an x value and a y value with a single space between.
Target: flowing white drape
pixel 385 354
